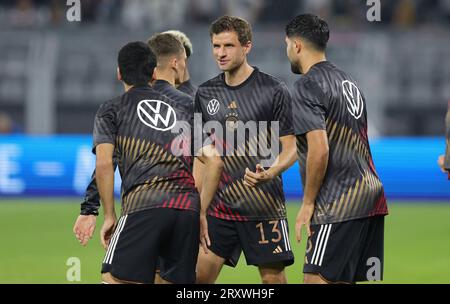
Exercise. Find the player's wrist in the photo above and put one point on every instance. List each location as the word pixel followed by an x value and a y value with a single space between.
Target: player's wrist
pixel 308 202
pixel 110 214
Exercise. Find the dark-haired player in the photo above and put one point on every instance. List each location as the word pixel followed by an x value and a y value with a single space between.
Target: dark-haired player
pixel 344 203
pixel 171 70
pixel 160 218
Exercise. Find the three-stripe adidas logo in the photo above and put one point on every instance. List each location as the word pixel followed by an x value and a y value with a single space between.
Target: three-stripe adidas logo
pixel 233 105
pixel 277 250
pixel 321 244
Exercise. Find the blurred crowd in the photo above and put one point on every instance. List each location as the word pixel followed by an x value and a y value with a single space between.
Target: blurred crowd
pixel 159 13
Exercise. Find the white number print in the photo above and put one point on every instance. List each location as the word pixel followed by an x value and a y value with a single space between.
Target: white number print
pixel 353 96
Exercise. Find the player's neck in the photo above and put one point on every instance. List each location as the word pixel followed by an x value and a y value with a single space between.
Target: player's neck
pixel 312 60
pixel 127 87
pixel 167 75
pixel 237 76
pixel 186 76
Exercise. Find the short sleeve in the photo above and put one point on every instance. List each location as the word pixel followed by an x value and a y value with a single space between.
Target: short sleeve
pixel 283 110
pixel 105 126
pixel 308 107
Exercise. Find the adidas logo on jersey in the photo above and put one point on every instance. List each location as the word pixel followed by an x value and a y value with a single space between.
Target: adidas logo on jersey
pixel 233 105
pixel 277 250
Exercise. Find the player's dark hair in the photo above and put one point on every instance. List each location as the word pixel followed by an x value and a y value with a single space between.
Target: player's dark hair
pixel 242 28
pixel 311 28
pixel 165 45
pixel 136 63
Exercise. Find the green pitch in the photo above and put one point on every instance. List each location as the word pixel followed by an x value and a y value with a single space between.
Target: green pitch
pixel 37 240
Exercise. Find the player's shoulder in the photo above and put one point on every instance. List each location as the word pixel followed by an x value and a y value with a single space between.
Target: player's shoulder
pixel 326 73
pixel 110 105
pixel 306 84
pixel 213 82
pixel 179 101
pixel 268 84
pixel 269 80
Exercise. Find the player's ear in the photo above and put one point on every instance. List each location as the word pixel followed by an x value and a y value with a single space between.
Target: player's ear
pixel 119 76
pixel 248 47
pixel 298 45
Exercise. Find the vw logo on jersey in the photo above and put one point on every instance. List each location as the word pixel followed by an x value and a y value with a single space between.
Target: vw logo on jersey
pixel 213 106
pixel 156 114
pixel 355 103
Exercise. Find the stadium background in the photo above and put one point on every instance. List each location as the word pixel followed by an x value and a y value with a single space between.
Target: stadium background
pixel 54 74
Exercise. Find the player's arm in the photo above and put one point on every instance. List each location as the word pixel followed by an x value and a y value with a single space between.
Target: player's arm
pixel 309 107
pixel 105 181
pixel 213 166
pixel 282 113
pixel 316 164
pixel 316 167
pixel 84 227
pixel 197 171
pixel 444 160
pixel 85 224
pixel 284 160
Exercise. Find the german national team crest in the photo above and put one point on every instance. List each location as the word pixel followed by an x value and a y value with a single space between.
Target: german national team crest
pixel 213 106
pixel 231 121
pixel 355 104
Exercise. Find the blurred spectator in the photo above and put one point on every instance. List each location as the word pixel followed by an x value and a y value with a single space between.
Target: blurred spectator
pixel 275 11
pixel 247 9
pixel 6 124
pixel 25 14
pixel 204 11
pixel 405 13
pixel 155 14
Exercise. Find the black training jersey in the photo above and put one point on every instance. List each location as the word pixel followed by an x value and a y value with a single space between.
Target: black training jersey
pixel 188 88
pixel 170 91
pixel 262 101
pixel 143 125
pixel 91 201
pixel 447 136
pixel 328 98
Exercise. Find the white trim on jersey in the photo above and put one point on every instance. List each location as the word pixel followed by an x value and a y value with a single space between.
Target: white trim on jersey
pixel 112 245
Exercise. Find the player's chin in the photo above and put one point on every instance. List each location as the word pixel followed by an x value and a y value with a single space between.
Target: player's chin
pixel 225 67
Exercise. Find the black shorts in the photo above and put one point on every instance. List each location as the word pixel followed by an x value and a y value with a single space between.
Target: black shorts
pixel 263 242
pixel 142 238
pixel 347 252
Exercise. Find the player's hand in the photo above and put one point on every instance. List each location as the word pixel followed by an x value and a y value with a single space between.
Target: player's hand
pixel 84 228
pixel 261 176
pixel 109 225
pixel 440 162
pixel 205 242
pixel 304 219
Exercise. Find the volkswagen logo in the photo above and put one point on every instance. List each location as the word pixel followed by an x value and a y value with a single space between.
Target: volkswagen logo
pixel 213 106
pixel 156 114
pixel 355 103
